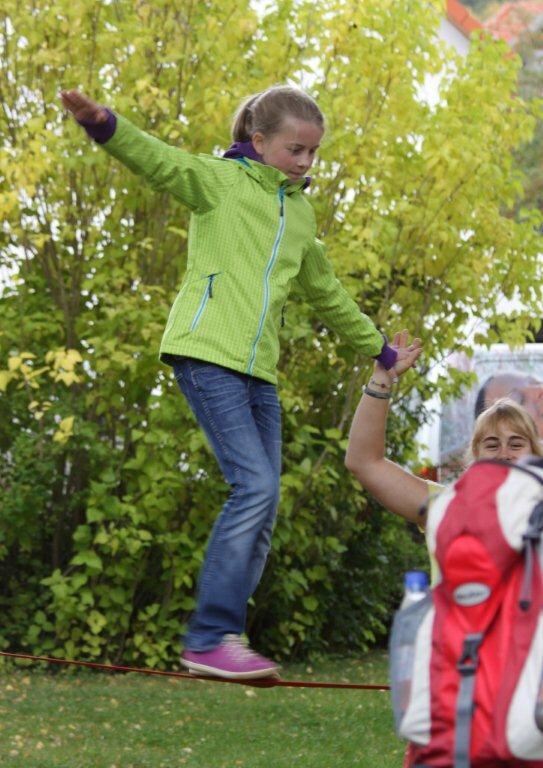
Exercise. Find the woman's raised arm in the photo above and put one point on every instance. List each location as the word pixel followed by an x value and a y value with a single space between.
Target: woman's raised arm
pixel 394 487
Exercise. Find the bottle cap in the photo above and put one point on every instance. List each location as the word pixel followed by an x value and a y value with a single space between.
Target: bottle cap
pixel 416 581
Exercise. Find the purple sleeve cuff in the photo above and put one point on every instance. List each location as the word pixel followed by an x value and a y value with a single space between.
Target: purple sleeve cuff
pixel 387 357
pixel 100 132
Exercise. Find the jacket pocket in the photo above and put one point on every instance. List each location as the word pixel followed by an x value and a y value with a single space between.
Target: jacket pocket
pixel 207 294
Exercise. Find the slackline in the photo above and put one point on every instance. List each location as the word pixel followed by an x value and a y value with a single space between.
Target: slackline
pixel 263 682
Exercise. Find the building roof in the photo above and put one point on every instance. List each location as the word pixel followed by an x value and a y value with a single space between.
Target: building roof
pixel 512 19
pixel 462 18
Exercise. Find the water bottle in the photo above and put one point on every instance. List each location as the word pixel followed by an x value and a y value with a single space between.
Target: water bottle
pixel 416 585
pixel 402 641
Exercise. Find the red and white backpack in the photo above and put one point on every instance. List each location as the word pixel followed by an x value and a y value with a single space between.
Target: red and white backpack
pixel 466 662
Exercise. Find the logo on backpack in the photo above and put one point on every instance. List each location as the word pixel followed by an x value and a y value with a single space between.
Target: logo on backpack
pixel 471 593
pixel 466 661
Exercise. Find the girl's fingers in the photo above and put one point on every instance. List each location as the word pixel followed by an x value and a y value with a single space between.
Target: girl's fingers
pixel 70 96
pixel 71 102
pixel 66 99
pixel 81 107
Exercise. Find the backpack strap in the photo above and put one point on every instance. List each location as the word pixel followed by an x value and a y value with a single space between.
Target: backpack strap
pixel 466 666
pixel 531 539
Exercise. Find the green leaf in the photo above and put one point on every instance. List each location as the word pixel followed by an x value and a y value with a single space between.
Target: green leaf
pixel 310 603
pixel 88 558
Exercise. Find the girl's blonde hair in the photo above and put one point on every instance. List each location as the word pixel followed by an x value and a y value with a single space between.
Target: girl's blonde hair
pixel 517 418
pixel 264 112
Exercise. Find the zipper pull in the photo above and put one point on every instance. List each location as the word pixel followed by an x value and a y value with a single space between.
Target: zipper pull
pixel 283 316
pixel 281 201
pixel 210 285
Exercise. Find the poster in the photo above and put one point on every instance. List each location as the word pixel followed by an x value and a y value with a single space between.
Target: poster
pixel 500 372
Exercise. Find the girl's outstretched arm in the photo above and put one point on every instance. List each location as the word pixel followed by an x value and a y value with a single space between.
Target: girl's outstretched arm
pixel 196 181
pixel 394 487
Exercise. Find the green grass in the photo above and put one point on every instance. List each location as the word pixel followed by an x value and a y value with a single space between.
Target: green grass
pixel 99 720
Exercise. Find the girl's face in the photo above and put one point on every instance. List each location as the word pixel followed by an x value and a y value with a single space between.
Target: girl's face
pixel 292 149
pixel 503 442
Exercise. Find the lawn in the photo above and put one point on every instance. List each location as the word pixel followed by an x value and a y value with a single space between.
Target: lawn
pixel 85 719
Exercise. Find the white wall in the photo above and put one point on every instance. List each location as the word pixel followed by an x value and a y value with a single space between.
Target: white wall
pixel 451 35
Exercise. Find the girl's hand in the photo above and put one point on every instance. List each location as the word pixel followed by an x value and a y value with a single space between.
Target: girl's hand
pixel 408 354
pixel 83 108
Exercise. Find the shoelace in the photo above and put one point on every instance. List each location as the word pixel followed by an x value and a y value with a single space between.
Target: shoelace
pixel 238 647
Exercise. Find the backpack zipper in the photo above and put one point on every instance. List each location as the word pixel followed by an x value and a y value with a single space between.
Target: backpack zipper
pixel 207 294
pixel 267 273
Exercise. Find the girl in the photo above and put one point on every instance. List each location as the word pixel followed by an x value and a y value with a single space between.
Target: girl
pixel 252 233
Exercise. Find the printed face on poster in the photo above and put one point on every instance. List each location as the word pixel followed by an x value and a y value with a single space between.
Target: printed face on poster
pixel 500 372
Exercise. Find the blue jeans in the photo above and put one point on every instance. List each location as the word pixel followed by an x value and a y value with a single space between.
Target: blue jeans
pixel 241 417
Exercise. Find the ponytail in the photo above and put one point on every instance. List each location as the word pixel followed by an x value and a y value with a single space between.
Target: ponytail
pixel 243 120
pixel 265 112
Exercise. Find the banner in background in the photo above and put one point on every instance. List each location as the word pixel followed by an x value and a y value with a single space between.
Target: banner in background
pixel 499 372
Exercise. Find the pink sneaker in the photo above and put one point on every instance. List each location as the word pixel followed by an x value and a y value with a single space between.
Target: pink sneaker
pixel 232 659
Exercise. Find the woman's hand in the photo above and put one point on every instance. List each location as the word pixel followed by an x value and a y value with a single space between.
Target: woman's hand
pixel 82 108
pixel 408 354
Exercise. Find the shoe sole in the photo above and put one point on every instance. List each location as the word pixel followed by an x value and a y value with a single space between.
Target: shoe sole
pixel 203 669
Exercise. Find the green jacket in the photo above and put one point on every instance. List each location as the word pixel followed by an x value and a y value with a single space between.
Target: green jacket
pixel 252 234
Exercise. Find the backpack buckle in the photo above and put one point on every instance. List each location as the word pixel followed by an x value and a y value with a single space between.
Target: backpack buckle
pixel 469 658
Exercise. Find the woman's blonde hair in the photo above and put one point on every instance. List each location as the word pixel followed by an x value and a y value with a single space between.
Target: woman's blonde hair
pixel 264 112
pixel 517 418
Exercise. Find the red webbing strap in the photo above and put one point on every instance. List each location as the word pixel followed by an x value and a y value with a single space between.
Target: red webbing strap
pixel 264 682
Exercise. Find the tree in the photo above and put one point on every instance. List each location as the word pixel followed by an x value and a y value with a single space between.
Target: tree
pixel 108 490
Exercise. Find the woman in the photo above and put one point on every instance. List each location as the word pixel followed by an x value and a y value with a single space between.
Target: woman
pixel 504 431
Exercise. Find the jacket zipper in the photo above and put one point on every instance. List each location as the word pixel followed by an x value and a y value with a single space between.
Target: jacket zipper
pixel 267 273
pixel 207 294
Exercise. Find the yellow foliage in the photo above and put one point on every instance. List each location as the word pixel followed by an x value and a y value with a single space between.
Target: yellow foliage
pixel 397 183
pixel 65 430
pixel 63 362
pixel 5 378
